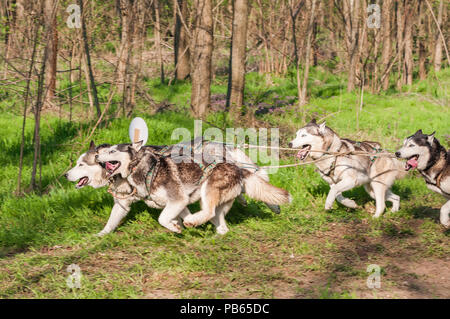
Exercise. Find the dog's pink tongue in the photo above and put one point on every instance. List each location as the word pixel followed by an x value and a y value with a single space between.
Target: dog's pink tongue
pixel 412 162
pixel 301 153
pixel 109 166
pixel 82 181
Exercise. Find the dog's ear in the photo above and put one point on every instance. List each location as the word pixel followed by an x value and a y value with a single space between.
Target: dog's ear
pixel 322 127
pixel 313 121
pixel 92 146
pixel 137 146
pixel 418 133
pixel 430 138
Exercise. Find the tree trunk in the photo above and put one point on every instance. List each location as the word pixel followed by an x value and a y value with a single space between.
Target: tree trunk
pixel 236 72
pixel 438 46
pixel 351 14
pixel 303 99
pixel 125 9
pixel 88 60
pixel 158 40
pixel 25 107
pixel 181 41
pixel 408 44
pixel 386 29
pixel 50 7
pixel 202 57
pixel 421 41
pixel 400 42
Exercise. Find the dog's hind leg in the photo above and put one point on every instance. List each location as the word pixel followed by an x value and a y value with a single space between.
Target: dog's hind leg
pixel 335 189
pixel 209 200
pixel 118 212
pixel 444 217
pixel 170 213
pixel 394 199
pixel 379 190
pixel 179 220
pixel 219 219
pixel 350 203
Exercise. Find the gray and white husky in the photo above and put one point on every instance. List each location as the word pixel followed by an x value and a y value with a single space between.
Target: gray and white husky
pixel 344 172
pixel 90 172
pixel 174 184
pixel 432 160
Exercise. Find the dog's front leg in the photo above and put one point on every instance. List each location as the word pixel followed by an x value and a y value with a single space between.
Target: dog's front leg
pixel 335 189
pixel 445 211
pixel 118 212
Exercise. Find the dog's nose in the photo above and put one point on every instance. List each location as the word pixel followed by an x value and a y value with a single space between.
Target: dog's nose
pixel 290 145
pixel 96 157
pixel 65 175
pixel 397 154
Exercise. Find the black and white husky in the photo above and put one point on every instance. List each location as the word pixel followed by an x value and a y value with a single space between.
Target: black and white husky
pixel 89 172
pixel 432 160
pixel 171 184
pixel 344 172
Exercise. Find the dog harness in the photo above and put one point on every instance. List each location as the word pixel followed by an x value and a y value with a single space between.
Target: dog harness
pixel 438 181
pixel 332 168
pixel 156 165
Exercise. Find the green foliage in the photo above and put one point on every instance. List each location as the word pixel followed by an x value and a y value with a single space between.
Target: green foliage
pixel 263 255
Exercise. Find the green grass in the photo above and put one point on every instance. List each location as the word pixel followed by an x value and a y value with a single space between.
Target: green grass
pixel 304 252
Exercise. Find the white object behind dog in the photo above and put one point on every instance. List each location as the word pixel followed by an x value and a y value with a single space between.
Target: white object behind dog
pixel 138 130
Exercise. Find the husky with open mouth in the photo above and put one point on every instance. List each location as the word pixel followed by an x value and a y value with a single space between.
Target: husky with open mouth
pixel 89 172
pixel 432 160
pixel 172 183
pixel 344 172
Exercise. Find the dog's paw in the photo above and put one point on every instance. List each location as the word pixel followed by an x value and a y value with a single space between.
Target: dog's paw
pixel 190 221
pixel 241 200
pixel 328 206
pixel 101 234
pixel 446 225
pixel 174 227
pixel 370 208
pixel 274 208
pixel 222 230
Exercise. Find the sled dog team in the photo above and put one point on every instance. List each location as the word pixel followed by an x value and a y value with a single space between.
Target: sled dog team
pixel 172 177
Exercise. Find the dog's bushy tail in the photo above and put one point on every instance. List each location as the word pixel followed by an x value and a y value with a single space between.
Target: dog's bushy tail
pixel 259 189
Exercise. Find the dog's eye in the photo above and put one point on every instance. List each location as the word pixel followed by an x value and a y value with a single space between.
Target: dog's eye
pixel 80 164
pixel 303 135
pixel 411 145
pixel 112 151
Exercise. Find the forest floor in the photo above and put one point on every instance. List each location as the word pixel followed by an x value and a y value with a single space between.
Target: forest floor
pixel 304 252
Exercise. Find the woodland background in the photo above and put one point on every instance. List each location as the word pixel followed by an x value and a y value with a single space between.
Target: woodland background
pixel 240 63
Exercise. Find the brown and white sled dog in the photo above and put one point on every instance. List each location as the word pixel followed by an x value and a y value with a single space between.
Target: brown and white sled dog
pixel 342 173
pixel 432 160
pixel 173 184
pixel 89 172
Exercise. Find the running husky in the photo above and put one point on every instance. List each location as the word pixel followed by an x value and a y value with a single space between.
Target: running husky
pixel 432 160
pixel 88 172
pixel 172 183
pixel 344 172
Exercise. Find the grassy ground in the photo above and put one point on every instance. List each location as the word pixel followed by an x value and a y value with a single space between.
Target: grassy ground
pixel 304 252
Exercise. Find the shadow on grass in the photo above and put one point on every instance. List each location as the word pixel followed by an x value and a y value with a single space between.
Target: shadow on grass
pixel 237 214
pixel 63 132
pixel 42 218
